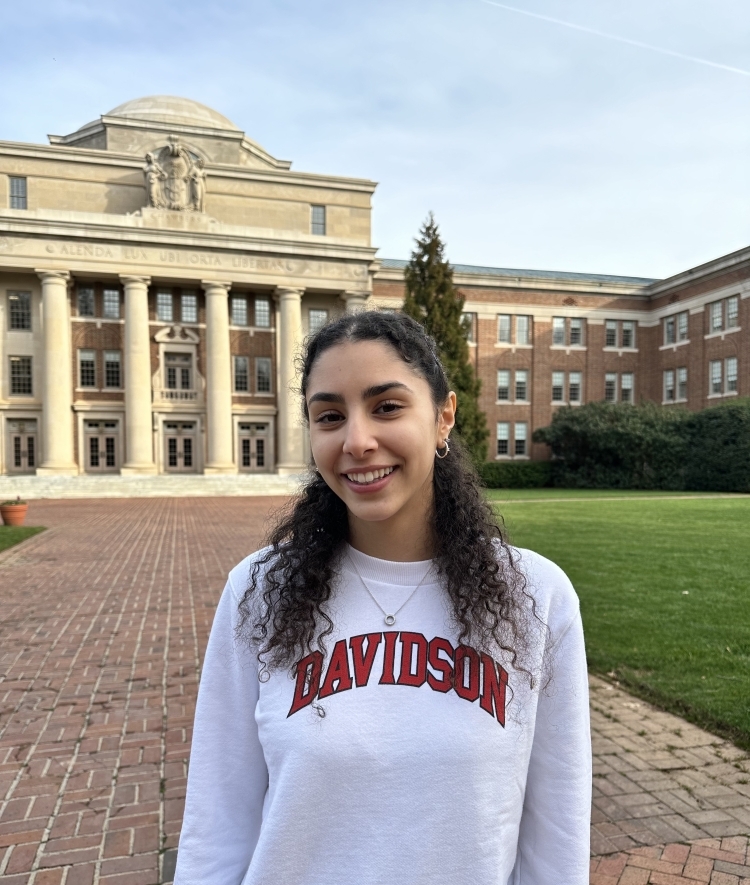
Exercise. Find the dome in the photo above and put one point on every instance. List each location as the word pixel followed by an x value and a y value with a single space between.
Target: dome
pixel 170 109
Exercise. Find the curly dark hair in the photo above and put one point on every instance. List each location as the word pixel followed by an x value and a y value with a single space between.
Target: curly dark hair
pixel 490 605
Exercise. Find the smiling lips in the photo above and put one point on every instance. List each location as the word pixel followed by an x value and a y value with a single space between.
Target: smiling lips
pixel 371 476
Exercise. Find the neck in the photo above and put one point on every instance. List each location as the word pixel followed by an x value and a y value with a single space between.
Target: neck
pixel 405 537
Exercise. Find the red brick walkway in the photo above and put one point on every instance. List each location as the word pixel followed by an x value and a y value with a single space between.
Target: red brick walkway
pixel 103 623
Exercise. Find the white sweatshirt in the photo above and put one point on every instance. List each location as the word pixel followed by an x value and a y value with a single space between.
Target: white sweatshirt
pixel 412 777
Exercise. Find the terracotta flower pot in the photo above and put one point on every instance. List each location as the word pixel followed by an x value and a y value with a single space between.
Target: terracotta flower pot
pixel 13 514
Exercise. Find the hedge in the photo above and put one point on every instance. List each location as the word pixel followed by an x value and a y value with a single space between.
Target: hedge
pixel 516 474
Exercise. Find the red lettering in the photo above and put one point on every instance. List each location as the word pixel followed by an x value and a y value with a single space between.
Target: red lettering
pixel 389 655
pixel 363 660
pixel 494 680
pixel 308 681
pixel 465 654
pixel 445 682
pixel 338 671
pixel 410 641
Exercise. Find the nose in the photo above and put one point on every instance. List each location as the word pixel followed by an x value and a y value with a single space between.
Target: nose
pixel 359 439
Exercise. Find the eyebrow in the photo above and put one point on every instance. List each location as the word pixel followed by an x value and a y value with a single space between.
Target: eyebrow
pixel 367 393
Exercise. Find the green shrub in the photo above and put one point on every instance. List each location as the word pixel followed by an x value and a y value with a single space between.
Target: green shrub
pixel 516 474
pixel 719 448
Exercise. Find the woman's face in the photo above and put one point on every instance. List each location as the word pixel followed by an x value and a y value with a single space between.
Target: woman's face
pixel 374 431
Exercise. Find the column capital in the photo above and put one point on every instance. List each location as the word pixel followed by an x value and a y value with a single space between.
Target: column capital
pixel 209 285
pixel 134 278
pixel 52 275
pixel 355 300
pixel 284 292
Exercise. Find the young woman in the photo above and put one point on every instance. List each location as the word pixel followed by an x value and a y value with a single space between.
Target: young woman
pixel 390 694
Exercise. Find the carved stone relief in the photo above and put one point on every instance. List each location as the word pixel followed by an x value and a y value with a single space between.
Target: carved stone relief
pixel 175 178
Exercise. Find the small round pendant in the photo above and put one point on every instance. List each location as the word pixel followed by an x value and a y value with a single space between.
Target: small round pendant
pixel 390 620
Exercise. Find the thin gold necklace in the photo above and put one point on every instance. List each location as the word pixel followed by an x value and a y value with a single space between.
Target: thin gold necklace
pixel 390 619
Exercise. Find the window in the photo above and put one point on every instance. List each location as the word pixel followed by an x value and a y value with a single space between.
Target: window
pixel 574 387
pixel 730 367
pixel 522 385
pixel 503 384
pixel 262 313
pixel 610 333
pixel 576 332
pixel 717 316
pixel 318 220
pixel 558 330
pixel 19 310
pixel 179 375
pixel 87 368
pixel 20 376
pixel 112 375
pixel 18 193
pixel 242 374
pixel 626 387
pixel 164 311
pixel 682 388
pixel 715 375
pixel 189 307
pixel 239 311
pixel 520 438
pixel 503 328
pixel 669 330
pixel 316 320
pixel 469 322
pixel 263 374
pixel 111 304
pixel 733 312
pixel 610 387
pixel 682 326
pixel 628 334
pixel 523 326
pixel 669 391
pixel 503 438
pixel 85 302
pixel 558 387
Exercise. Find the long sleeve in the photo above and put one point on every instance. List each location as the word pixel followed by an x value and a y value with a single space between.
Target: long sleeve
pixel 227 779
pixel 553 845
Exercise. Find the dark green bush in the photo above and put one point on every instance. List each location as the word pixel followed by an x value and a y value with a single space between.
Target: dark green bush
pixel 516 474
pixel 719 448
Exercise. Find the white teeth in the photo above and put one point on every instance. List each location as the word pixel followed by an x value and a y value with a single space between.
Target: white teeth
pixel 370 476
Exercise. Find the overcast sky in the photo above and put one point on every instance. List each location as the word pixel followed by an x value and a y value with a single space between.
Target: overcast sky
pixel 535 144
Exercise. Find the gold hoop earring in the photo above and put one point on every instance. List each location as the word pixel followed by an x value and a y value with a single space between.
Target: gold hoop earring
pixel 445 451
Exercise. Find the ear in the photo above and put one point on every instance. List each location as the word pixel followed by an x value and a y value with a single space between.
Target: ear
pixel 446 418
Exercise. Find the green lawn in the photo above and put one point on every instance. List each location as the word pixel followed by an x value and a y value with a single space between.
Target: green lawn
pixel 10 535
pixel 664 583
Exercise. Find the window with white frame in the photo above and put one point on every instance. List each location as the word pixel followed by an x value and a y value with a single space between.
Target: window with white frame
pixel 682 380
pixel 558 330
pixel 263 313
pixel 626 387
pixel 316 319
pixel 469 322
pixel 575 381
pixel 730 374
pixel 558 387
pixel 239 311
pixel 576 332
pixel 503 385
pixel 164 312
pixel 733 312
pixel 716 314
pixel 111 304
pixel 503 328
pixel 179 371
pixel 112 372
pixel 18 192
pixel 610 333
pixel 519 433
pixel 523 329
pixel 503 438
pixel 716 385
pixel 263 374
pixel 628 333
pixel 682 326
pixel 669 330
pixel 669 388
pixel 85 301
pixel 20 376
pixel 87 368
pixel 610 387
pixel 189 307
pixel 242 374
pixel 19 311
pixel 522 385
pixel 318 220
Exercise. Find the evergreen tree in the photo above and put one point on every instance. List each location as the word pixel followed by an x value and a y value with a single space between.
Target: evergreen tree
pixel 434 301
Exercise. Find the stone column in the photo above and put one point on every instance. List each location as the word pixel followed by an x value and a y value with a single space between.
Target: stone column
pixel 57 380
pixel 218 380
pixel 291 448
pixel 139 439
pixel 355 301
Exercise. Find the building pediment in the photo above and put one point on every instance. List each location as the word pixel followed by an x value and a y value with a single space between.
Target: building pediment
pixel 176 334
